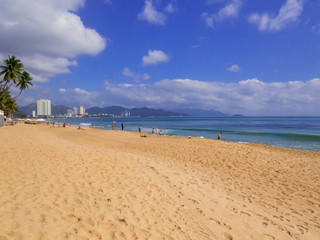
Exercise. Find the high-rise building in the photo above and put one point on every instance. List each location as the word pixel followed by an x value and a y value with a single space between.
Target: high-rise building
pixel 33 113
pixel 69 113
pixel 81 110
pixel 43 107
pixel 75 111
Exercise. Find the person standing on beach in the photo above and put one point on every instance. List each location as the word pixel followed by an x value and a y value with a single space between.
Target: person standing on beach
pixel 219 135
pixel 122 126
pixel 112 125
pixel 140 128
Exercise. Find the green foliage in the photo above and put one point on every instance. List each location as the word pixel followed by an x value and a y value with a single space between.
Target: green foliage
pixel 7 103
pixel 13 73
pixel 11 70
pixel 24 82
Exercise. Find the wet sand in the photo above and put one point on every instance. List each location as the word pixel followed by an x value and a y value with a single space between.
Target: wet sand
pixel 63 183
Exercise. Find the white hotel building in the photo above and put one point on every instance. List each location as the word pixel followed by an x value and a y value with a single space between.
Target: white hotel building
pixel 43 107
pixel 82 110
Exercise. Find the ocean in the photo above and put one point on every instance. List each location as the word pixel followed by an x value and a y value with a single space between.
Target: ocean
pixel 289 132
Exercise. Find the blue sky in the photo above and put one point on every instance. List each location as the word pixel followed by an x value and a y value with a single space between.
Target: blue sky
pixel 235 56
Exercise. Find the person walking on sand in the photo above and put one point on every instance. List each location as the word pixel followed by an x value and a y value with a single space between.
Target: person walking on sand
pixel 219 135
pixel 122 126
pixel 140 128
pixel 112 125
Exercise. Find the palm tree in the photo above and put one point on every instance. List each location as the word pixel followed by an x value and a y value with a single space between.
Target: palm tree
pixel 11 70
pixel 24 82
pixel 13 73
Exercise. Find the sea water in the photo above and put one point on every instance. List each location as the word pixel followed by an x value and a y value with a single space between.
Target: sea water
pixel 290 132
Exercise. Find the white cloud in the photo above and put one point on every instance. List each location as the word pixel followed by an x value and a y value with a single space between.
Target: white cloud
pixel 234 68
pixel 231 10
pixel 249 97
pixel 208 19
pixel 76 96
pixel 151 15
pixel 288 13
pixel 154 57
pixel 46 35
pixel 170 8
pixel 316 28
pixel 136 77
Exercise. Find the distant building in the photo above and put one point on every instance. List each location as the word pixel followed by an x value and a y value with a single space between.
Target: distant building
pixel 127 113
pixel 33 113
pixel 69 113
pixel 81 110
pixel 75 111
pixel 43 107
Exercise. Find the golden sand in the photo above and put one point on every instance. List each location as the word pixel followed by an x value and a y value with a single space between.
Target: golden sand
pixel 62 183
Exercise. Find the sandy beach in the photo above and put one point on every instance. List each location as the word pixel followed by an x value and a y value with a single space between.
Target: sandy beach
pixel 63 183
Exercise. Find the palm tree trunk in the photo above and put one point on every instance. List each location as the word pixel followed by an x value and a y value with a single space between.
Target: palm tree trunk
pixel 16 97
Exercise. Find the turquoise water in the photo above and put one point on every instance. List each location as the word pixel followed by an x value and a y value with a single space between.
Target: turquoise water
pixel 290 132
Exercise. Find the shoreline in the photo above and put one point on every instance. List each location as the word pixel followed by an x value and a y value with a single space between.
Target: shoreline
pixel 274 133
pixel 63 183
pixel 200 137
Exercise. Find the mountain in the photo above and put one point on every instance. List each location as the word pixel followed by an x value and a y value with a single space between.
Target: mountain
pixel 201 113
pixel 59 109
pixel 137 112
pixel 28 109
pixel 151 112
pixel 55 110
pixel 115 110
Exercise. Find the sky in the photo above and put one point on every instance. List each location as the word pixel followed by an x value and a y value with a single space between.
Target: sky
pixel 256 58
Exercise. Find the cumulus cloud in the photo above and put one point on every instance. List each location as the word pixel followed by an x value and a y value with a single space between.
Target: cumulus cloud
pixel 231 10
pixel 151 15
pixel 288 13
pixel 136 77
pixel 249 97
pixel 78 96
pixel 46 35
pixel 234 68
pixel 154 57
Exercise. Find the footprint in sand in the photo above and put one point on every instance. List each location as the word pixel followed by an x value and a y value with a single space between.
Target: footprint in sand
pixel 222 224
pixel 194 201
pixel 227 236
